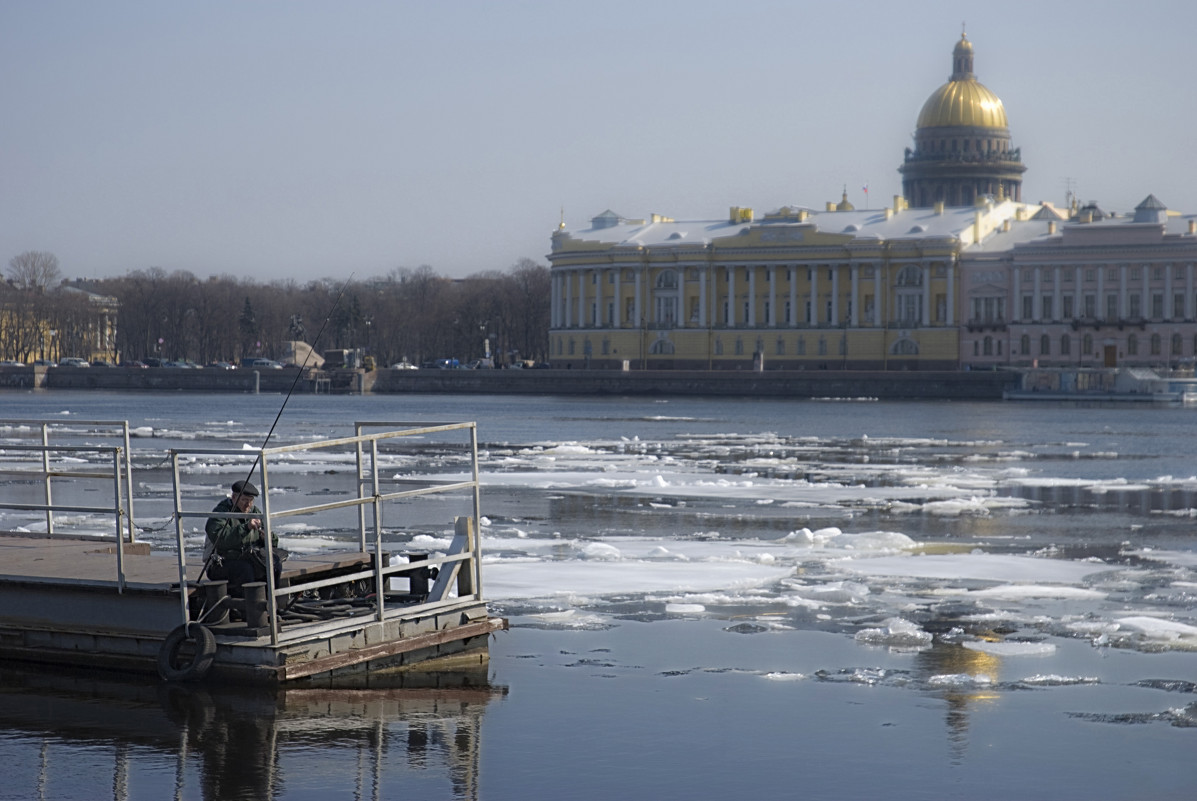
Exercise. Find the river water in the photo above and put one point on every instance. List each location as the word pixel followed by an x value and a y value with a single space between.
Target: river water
pixel 708 598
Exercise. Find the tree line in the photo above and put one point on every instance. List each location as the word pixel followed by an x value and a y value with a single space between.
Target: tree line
pixel 411 314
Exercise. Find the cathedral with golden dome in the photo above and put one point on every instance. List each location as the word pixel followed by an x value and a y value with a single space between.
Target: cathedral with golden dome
pixel 957 272
pixel 962 147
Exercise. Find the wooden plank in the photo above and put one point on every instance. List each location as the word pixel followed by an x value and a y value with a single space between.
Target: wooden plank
pixel 392 648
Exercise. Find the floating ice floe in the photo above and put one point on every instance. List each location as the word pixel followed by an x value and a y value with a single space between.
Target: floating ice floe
pixel 896 633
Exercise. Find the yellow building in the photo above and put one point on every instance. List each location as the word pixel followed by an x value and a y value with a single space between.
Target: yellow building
pixel 840 288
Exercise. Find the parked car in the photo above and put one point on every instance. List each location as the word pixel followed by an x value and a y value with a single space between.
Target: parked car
pixel 265 364
pixel 222 365
pixel 404 365
pixel 136 363
pixel 73 361
pixel 11 363
pixel 100 363
pixel 44 363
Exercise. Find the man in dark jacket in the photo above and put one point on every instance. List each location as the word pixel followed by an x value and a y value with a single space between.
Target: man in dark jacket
pixel 236 543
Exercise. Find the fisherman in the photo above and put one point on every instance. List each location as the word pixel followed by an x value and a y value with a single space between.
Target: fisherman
pixel 235 548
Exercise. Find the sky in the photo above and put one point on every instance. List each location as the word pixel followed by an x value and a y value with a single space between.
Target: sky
pixel 303 140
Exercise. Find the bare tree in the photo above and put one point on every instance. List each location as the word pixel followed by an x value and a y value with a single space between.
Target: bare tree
pixel 34 269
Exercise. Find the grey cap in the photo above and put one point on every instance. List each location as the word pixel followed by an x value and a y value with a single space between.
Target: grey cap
pixel 245 488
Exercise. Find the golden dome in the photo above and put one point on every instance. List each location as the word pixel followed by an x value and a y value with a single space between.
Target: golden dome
pixel 963 103
pixel 963 100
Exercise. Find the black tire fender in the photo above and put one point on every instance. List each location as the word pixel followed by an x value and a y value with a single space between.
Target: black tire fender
pixel 175 665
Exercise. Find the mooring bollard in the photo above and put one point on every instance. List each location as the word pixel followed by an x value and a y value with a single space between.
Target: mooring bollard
pixel 255 604
pixel 215 593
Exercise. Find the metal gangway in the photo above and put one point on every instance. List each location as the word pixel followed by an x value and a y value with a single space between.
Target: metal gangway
pixel 458 576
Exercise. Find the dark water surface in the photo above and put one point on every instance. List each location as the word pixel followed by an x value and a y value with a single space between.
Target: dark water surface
pixel 647 704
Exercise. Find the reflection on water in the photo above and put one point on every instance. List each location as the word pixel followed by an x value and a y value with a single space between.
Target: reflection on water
pixel 75 735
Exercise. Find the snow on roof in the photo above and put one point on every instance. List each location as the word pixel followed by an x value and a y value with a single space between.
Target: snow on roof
pixel 870 224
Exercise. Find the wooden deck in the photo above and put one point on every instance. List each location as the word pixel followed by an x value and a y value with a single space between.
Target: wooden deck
pixel 92 563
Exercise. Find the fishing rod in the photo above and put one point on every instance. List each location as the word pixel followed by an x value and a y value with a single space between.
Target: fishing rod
pixel 294 383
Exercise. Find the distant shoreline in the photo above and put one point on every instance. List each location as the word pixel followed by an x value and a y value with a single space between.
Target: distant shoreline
pixel 929 385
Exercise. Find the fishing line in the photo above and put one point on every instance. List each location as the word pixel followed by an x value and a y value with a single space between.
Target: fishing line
pixel 298 374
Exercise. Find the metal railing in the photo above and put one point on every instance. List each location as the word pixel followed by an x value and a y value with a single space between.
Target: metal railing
pixel 40 466
pixel 459 566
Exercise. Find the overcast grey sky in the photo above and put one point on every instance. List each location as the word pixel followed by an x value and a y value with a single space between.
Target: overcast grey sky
pixel 313 139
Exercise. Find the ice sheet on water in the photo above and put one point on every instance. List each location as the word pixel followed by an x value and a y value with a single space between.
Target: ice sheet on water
pixel 1011 648
pixel 976 566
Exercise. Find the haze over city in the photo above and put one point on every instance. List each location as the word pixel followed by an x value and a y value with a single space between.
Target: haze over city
pixel 300 140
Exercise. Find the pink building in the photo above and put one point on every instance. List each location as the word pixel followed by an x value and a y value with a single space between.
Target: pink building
pixel 1084 288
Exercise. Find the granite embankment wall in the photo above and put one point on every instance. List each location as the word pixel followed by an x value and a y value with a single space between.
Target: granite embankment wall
pixel 774 383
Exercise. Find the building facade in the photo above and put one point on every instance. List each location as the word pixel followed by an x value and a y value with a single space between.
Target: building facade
pixel 796 289
pixel 957 273
pixel 1086 289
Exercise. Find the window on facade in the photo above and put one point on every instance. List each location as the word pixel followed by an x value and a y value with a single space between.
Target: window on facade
pixel 999 347
pixel 630 311
pixel 1111 307
pixel 1178 307
pixel 843 346
pixel 1157 274
pixel 1156 345
pixel 1068 275
pixel 801 346
pixel 666 310
pixel 1028 307
pixel 1132 345
pixel 606 347
pixel 988 346
pixel 910 275
pixel 571 347
pixel 868 308
pixel 1065 345
pixel 941 308
pixel 726 312
pixel 1112 275
pixel 1135 309
pixel 718 346
pixel 1027 276
pixel 1134 274
pixel 822 346
pixel 1090 306
pixel 1087 345
pixel 1024 344
pixel 1090 275
pixel 830 312
pixel 667 280
pixel 781 347
pixel 1066 312
pixel 739 347
pixel 1045 345
pixel 594 314
pixel 1157 307
pixel 760 346
pixel 768 319
pixel 789 313
pixel 611 312
pixel 747 310
pixel 1046 304
pixel 1177 345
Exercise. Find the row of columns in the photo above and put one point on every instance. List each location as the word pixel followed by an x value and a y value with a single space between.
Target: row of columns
pixel 574 307
pixel 1046 277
